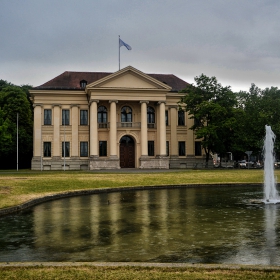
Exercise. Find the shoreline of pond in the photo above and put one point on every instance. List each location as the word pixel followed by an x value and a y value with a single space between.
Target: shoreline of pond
pixel 36 201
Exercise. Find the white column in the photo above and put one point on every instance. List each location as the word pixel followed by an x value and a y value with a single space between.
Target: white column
pixel 113 128
pixel 93 129
pixel 37 135
pixel 162 129
pixel 144 132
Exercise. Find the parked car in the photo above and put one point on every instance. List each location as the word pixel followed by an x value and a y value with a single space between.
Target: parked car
pixel 277 163
pixel 242 164
pixel 251 164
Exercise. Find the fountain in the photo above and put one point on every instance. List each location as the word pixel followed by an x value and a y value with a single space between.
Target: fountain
pixel 270 191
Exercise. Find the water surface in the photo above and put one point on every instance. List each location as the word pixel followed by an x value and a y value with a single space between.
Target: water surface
pixel 193 225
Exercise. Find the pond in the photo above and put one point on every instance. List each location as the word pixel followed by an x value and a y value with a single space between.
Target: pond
pixel 191 225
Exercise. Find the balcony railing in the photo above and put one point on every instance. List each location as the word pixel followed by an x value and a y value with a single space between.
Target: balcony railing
pixel 151 125
pixel 103 125
pixel 129 124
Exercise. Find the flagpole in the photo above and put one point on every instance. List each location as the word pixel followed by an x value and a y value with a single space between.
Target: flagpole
pixel 17 141
pixel 119 55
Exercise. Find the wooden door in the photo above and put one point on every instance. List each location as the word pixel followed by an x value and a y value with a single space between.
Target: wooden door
pixel 127 152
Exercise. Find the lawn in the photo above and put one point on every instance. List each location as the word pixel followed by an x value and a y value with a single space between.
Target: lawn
pixel 19 187
pixel 136 272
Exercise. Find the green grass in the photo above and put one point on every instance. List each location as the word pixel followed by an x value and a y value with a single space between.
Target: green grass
pixel 135 273
pixel 19 187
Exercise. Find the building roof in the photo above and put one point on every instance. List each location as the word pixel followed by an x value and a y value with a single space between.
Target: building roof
pixel 71 80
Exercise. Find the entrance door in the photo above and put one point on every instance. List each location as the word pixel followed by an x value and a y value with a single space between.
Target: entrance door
pixel 127 152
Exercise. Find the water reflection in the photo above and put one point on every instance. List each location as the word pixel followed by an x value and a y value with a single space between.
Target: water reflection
pixel 197 225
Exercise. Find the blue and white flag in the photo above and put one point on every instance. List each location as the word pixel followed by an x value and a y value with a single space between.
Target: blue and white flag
pixel 122 43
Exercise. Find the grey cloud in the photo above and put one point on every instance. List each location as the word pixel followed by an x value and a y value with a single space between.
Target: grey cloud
pixel 235 40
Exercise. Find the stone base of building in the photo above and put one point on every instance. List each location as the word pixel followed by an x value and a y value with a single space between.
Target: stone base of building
pixel 154 163
pixel 58 163
pixel 189 162
pixel 96 163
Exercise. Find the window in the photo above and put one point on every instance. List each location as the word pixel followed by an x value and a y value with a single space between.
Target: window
pixel 84 149
pixel 102 148
pixel 47 117
pixel 166 118
pixel 83 83
pixel 83 117
pixel 47 149
pixel 151 148
pixel 150 115
pixel 67 149
pixel 198 148
pixel 167 148
pixel 182 148
pixel 126 114
pixel 65 117
pixel 102 115
pixel 181 117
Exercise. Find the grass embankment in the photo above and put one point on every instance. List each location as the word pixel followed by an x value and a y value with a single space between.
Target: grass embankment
pixel 135 273
pixel 19 187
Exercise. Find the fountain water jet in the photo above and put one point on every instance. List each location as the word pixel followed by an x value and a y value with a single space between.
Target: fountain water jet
pixel 270 191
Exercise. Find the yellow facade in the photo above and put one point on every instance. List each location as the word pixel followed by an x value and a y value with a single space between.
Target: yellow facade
pixel 127 119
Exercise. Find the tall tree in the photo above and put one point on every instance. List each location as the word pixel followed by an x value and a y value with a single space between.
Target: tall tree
pixel 13 101
pixel 256 108
pixel 212 107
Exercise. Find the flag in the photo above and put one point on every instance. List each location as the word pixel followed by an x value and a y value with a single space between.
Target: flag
pixel 122 43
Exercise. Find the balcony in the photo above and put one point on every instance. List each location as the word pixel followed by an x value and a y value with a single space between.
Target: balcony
pixel 129 124
pixel 103 125
pixel 151 125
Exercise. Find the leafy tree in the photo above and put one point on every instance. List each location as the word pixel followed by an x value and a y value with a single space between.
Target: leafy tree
pixel 5 136
pixel 212 107
pixel 270 112
pixel 14 100
pixel 248 134
pixel 256 108
pixel 4 84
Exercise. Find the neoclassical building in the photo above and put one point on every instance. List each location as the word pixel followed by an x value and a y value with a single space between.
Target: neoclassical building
pixel 126 119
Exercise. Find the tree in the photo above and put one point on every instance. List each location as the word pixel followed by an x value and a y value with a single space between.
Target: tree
pixel 248 134
pixel 256 108
pixel 14 100
pixel 212 107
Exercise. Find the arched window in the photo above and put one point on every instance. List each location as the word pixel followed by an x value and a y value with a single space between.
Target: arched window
pixel 126 114
pixel 150 115
pixel 102 114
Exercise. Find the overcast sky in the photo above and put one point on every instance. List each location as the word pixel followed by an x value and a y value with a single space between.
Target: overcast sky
pixel 236 41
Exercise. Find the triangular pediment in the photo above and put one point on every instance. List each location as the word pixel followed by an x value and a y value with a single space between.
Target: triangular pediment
pixel 129 78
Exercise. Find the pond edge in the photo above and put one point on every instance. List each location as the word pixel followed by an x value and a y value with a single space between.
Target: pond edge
pixel 39 200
